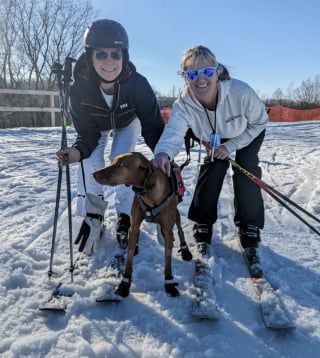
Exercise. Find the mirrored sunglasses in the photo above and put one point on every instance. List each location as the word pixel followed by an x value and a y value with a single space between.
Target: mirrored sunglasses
pixel 193 75
pixel 114 55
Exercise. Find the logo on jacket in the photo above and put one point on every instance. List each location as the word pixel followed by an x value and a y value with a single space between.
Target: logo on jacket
pixel 232 118
pixel 123 106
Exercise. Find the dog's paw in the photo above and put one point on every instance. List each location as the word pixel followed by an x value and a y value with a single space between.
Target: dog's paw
pixel 185 253
pixel 123 289
pixel 171 289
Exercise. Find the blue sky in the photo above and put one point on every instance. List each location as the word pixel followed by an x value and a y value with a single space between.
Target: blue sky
pixel 269 44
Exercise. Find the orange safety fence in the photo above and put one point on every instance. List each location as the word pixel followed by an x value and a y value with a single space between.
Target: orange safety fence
pixel 165 112
pixel 285 114
pixel 276 114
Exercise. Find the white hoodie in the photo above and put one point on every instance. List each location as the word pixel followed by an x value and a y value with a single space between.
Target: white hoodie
pixel 240 118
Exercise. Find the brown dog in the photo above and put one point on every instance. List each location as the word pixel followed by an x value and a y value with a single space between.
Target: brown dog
pixel 154 201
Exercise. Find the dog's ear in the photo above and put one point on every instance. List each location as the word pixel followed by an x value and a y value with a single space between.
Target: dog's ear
pixel 145 165
pixel 150 177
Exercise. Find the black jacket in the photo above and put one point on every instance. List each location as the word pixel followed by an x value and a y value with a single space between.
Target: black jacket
pixel 133 98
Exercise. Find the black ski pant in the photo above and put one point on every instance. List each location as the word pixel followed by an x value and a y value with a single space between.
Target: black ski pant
pixel 248 201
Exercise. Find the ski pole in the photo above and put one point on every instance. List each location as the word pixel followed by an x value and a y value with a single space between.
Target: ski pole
pixel 67 80
pixel 55 221
pixel 63 84
pixel 56 69
pixel 275 194
pixel 263 185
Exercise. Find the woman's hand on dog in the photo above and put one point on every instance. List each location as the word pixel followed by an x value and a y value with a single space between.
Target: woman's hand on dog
pixel 162 161
pixel 70 155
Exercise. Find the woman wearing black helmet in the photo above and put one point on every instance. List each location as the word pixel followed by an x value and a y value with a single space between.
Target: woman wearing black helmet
pixel 107 97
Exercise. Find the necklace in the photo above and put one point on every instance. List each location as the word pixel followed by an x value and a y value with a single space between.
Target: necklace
pixel 215 139
pixel 214 126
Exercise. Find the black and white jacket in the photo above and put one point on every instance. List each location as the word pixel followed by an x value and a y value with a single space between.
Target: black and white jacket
pixel 133 98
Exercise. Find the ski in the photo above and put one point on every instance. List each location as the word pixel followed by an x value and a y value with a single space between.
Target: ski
pixel 204 302
pixel 112 276
pixel 109 296
pixel 57 301
pixel 115 268
pixel 55 304
pixel 274 312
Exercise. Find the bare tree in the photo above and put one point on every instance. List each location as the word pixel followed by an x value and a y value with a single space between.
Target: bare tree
pixel 9 75
pixel 278 96
pixel 35 34
pixel 289 96
pixel 308 94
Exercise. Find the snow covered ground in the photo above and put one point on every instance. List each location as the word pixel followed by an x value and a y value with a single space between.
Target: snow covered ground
pixel 148 323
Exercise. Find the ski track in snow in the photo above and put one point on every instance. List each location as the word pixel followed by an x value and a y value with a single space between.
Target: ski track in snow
pixel 149 323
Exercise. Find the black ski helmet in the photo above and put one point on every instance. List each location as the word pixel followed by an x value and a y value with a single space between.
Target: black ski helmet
pixel 106 33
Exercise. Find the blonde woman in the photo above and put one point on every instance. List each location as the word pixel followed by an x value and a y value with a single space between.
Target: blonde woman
pixel 228 115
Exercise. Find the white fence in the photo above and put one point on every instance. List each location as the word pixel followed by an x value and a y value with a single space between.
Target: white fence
pixel 52 109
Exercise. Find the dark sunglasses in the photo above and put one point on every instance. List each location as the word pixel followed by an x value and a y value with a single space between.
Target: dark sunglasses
pixel 114 55
pixel 193 75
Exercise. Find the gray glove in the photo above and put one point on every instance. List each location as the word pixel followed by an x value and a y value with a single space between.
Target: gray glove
pixel 162 161
pixel 90 230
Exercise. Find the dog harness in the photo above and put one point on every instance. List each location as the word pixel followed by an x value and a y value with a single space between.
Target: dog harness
pixel 151 212
pixel 177 187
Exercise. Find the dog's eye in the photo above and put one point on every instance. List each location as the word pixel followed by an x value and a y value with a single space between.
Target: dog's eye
pixel 120 165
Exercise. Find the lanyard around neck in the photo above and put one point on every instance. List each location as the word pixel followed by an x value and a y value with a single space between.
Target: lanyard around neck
pixel 214 126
